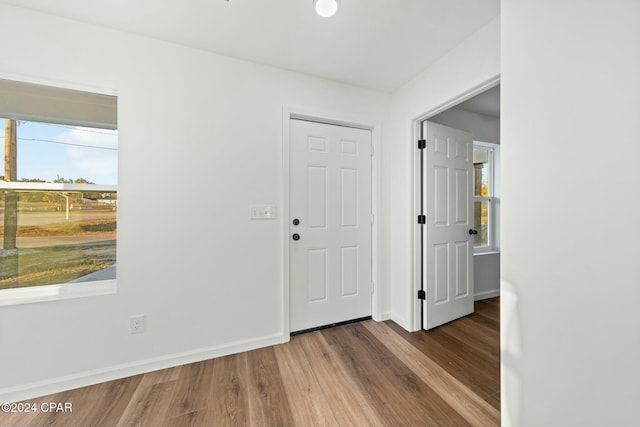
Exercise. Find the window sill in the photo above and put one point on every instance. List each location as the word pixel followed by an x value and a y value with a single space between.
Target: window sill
pixel 486 253
pixel 33 294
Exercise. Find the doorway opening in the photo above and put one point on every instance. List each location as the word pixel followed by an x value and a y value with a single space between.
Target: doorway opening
pixel 476 112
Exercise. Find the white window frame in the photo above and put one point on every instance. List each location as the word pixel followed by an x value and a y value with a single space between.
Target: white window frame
pixel 493 198
pixel 30 294
pixel 99 113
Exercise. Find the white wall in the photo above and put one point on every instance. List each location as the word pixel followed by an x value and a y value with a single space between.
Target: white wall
pixel 570 152
pixel 193 126
pixel 486 275
pixel 470 64
pixel 486 266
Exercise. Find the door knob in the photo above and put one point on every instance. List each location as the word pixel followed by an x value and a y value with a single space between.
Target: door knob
pixel 296 236
pixel 296 221
pixel 472 231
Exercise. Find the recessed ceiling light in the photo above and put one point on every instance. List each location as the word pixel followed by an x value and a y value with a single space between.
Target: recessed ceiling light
pixel 326 8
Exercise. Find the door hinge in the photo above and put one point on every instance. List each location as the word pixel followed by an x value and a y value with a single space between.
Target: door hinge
pixel 422 219
pixel 373 287
pixel 371 149
pixel 422 295
pixel 373 219
pixel 422 144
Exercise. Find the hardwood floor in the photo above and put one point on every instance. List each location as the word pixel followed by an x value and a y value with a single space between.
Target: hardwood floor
pixel 363 374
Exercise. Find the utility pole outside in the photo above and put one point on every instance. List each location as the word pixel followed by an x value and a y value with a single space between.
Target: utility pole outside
pixel 10 174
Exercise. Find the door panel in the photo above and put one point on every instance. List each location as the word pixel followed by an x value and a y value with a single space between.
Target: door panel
pixel 317 205
pixel 349 265
pixel 349 193
pixel 448 248
pixel 317 275
pixel 330 187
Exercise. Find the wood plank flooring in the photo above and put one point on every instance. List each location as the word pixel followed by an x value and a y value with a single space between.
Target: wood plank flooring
pixel 363 374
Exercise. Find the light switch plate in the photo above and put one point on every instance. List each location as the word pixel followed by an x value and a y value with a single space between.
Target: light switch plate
pixel 263 212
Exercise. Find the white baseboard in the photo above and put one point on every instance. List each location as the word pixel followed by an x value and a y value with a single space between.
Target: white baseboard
pixel 486 294
pixel 83 379
pixel 401 321
pixel 385 316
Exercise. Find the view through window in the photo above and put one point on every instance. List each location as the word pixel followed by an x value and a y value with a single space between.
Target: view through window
pixel 484 196
pixel 58 204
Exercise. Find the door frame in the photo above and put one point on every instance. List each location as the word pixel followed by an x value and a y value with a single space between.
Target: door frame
pixel 416 129
pixel 289 113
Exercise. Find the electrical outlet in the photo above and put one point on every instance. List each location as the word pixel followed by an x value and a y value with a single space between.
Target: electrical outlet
pixel 136 324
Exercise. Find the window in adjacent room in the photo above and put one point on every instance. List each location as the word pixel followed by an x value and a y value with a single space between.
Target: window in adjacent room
pixel 58 193
pixel 485 200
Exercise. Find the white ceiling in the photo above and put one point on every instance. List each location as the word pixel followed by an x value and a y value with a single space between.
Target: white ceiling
pixel 379 44
pixel 487 103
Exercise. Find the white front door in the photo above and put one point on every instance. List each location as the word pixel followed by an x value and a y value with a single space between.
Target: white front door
pixel 448 207
pixel 330 224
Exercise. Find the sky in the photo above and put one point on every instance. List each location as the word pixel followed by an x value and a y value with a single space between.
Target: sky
pixel 46 150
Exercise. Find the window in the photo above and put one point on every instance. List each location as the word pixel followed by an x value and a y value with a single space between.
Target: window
pixel 58 193
pixel 485 196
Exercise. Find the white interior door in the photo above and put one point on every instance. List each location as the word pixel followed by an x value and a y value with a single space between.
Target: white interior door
pixel 448 207
pixel 330 206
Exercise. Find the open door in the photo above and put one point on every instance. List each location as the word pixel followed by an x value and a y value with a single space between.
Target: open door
pixel 447 217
